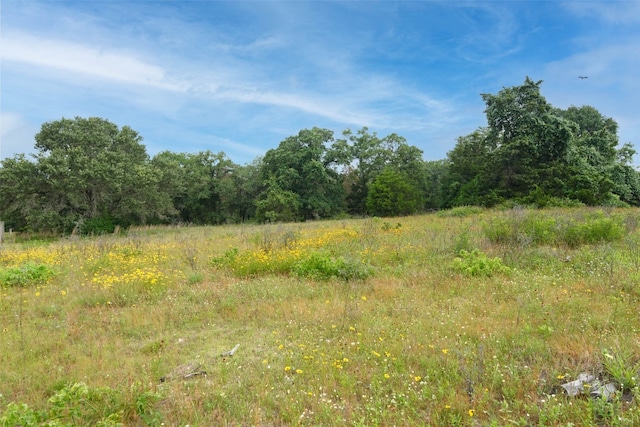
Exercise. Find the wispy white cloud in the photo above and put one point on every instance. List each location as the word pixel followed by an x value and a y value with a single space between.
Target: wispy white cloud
pixel 230 146
pixel 248 74
pixel 613 12
pixel 325 99
pixel 102 63
pixel 604 64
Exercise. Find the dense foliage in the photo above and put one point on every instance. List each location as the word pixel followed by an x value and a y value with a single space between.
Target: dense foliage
pixel 89 176
pixel 532 153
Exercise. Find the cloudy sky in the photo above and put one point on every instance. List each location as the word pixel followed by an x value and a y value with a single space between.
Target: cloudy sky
pixel 240 76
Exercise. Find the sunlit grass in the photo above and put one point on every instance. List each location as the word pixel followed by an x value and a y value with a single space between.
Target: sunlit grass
pixel 414 341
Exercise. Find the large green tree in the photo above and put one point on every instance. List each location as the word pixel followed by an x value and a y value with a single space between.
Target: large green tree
pixel 86 174
pixel 598 168
pixel 240 192
pixel 364 155
pixel 437 172
pixel 22 193
pixel 533 153
pixel 299 166
pixel 470 177
pixel 393 193
pixel 531 142
pixel 198 184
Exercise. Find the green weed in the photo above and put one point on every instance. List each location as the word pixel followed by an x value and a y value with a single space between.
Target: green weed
pixel 523 227
pixel 594 229
pixel 28 274
pixel 77 404
pixel 226 259
pixel 461 211
pixel 624 370
pixel 322 266
pixel 477 264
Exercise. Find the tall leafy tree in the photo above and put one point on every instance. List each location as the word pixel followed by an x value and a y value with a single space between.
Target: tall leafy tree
pixel 174 180
pixel 471 176
pixel 437 173
pixel 199 184
pixel 87 171
pixel 533 153
pixel 393 193
pixel 593 155
pixel 206 174
pixel 300 166
pixel 364 156
pixel 22 194
pixel 277 204
pixel 531 141
pixel 626 179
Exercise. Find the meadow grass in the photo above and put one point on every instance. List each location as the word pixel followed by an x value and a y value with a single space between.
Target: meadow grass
pixel 473 318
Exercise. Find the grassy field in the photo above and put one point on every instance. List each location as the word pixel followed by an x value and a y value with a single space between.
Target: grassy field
pixel 465 317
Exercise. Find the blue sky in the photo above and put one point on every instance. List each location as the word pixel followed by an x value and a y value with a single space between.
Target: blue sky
pixel 241 76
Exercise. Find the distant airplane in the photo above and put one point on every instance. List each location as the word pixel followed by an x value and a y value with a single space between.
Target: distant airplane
pixel 583 77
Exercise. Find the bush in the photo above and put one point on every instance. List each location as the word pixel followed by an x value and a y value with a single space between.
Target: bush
pixel 28 274
pixel 392 193
pixel 598 229
pixel 77 404
pixel 461 211
pixel 538 229
pixel 519 228
pixel 500 231
pixel 322 266
pixel 105 224
pixel 477 264
pixel 226 259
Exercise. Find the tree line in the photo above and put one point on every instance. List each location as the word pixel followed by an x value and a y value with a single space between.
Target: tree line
pixel 89 176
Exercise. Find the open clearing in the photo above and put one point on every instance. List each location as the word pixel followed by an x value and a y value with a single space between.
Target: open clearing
pixel 466 317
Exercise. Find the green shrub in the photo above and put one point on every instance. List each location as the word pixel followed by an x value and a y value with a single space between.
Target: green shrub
pixel 105 224
pixel 20 414
pixel 530 228
pixel 499 231
pixel 258 262
pixel 320 265
pixel 226 259
pixel 463 241
pixel 477 264
pixel 27 274
pixel 77 404
pixel 273 239
pixel 623 368
pixel 597 229
pixel 538 229
pixel 541 230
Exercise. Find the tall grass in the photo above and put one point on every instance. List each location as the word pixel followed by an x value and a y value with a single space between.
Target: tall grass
pixel 469 318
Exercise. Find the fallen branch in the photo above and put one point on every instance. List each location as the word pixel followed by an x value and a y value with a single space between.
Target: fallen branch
pixel 231 352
